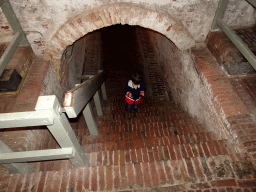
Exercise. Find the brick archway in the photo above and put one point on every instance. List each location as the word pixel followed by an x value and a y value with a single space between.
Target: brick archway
pixel 120 13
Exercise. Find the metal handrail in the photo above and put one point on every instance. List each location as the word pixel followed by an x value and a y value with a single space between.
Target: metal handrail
pixel 78 99
pixel 238 42
pixel 19 35
pixel 48 112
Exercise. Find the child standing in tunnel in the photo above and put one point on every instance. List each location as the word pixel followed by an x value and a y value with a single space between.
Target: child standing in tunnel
pixel 134 91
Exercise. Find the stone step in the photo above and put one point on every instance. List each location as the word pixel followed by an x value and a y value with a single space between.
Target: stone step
pixel 153 137
pixel 164 121
pixel 159 127
pixel 144 113
pixel 154 150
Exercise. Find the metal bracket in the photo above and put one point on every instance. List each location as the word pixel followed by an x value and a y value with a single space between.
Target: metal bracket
pixel 39 155
pixel 61 129
pixel 13 20
pixel 9 51
pixel 14 167
pixel 219 14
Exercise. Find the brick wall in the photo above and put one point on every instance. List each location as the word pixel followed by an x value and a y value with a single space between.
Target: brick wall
pixel 202 87
pixel 79 58
pixel 237 97
pixel 186 83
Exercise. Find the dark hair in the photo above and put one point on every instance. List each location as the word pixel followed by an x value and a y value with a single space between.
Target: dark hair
pixel 136 78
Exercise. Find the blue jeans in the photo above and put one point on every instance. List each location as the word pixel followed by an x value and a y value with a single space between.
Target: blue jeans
pixel 128 106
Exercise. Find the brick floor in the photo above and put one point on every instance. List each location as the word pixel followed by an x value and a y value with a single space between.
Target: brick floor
pixel 163 149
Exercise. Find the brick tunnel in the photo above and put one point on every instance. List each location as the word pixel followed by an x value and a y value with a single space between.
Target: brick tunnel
pixel 194 130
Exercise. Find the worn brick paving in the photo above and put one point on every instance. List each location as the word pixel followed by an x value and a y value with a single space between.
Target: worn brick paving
pixel 163 149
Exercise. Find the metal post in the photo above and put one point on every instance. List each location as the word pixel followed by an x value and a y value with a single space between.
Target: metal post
pixel 252 2
pixel 222 6
pixel 14 167
pixel 61 129
pixel 238 42
pixel 90 120
pixel 103 91
pixel 5 58
pixel 96 99
pixel 13 20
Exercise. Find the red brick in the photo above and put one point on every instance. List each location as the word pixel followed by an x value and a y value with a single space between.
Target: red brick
pixel 144 155
pixel 247 183
pixel 41 183
pixel 13 183
pixel 130 174
pixel 171 140
pixel 160 170
pixel 145 170
pixel 116 177
pixel 198 169
pixel 211 147
pixel 206 150
pixel 109 178
pixel 183 170
pixel 166 152
pixel 188 149
pixel 110 157
pixel 133 156
pixel 94 179
pixel 49 182
pixel 99 158
pixel 176 139
pixel 168 171
pixel 122 157
pixel 34 181
pixel 166 140
pixel 116 157
pixel 183 151
pixel 155 141
pixel 177 150
pixel 217 147
pixel 200 150
pixel 127 156
pixel 139 178
pixel 87 173
pixel 121 145
pixel 150 154
pixel 110 146
pixel 172 153
pixel 20 182
pixel 124 182
pixel 205 167
pixel 222 183
pixel 156 155
pixel 154 174
pixel 139 155
pixel 175 169
pixel 79 180
pixel 230 190
pixel 101 179
pixel 190 168
pixel 223 147
pixel 26 186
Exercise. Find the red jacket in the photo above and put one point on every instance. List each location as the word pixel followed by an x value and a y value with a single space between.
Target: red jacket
pixel 130 89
